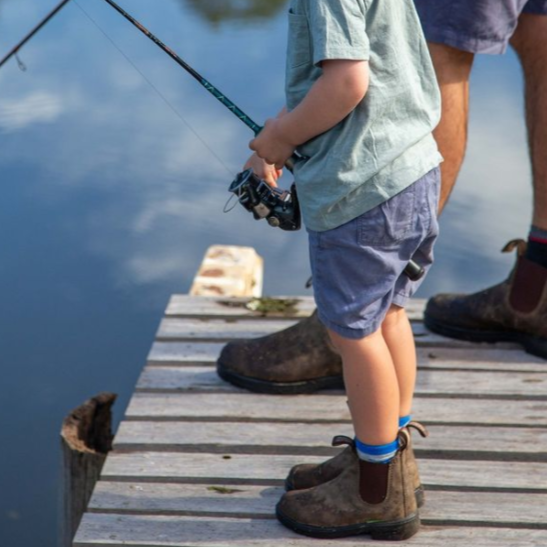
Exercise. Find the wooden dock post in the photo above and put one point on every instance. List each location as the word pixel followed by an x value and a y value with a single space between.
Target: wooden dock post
pixel 86 439
pixel 228 270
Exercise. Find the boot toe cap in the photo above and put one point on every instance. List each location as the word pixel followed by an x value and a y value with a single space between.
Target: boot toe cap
pixel 441 305
pixel 301 476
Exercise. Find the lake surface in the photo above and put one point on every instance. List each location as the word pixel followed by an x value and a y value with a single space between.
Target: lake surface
pixel 111 195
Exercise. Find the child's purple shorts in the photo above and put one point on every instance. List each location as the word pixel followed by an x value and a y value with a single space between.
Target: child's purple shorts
pixel 477 26
pixel 358 267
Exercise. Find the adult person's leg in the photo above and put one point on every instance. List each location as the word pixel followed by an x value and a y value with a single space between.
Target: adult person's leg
pixel 530 43
pixel 516 309
pixel 453 68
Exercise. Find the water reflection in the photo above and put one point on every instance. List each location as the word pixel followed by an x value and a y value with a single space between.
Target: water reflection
pixel 218 11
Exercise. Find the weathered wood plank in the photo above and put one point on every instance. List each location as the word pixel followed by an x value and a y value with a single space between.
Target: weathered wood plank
pixel 185 353
pixel 463 442
pixel 217 329
pixel 325 408
pixel 271 469
pixel 189 499
pixel 477 508
pixel 200 329
pixel 207 353
pixel 168 531
pixel 183 305
pixel 445 383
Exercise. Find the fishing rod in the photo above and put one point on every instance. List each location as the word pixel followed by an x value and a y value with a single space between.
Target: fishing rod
pixel 33 32
pixel 279 207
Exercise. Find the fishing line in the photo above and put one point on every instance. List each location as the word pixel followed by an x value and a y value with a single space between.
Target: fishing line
pixel 158 92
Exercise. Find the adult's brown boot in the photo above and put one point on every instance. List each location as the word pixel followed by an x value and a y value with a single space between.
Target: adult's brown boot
pixel 366 498
pixel 309 475
pixel 513 311
pixel 299 359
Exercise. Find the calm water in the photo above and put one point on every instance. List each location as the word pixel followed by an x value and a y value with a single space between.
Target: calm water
pixel 109 201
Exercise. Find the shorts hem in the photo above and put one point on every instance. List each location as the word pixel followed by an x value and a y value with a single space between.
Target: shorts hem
pixel 466 43
pixel 400 299
pixel 346 332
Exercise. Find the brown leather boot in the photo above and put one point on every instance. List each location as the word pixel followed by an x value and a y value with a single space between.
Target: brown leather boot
pixel 308 475
pixel 513 311
pixel 365 498
pixel 299 359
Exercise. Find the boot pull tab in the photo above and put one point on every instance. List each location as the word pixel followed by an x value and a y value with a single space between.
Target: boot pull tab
pixel 518 244
pixel 341 440
pixel 420 428
pixel 404 438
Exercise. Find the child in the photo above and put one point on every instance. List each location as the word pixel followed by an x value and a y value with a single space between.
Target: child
pixel 362 100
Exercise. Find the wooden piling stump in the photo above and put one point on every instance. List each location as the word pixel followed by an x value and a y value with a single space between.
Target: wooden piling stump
pixel 86 439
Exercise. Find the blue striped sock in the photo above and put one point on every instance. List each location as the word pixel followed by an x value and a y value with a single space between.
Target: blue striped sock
pixel 404 421
pixel 376 453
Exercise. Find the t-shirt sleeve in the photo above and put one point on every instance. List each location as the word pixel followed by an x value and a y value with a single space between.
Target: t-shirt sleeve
pixel 338 30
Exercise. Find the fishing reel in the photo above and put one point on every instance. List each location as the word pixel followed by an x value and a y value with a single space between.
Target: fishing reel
pixel 279 207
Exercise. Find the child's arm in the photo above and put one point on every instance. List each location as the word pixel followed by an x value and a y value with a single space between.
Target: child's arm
pixel 341 87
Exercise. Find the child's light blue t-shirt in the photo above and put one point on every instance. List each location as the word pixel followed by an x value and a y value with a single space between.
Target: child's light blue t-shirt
pixel 385 144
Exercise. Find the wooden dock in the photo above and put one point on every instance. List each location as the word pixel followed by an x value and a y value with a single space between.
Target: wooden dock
pixel 200 463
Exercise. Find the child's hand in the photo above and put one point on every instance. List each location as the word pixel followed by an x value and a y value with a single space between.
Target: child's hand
pixel 272 145
pixel 263 170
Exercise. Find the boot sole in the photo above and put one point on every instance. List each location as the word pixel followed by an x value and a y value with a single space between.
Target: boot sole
pixel 279 388
pixel 532 344
pixel 396 530
pixel 418 493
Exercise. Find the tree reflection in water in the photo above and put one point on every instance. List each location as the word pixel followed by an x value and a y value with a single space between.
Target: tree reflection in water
pixel 219 11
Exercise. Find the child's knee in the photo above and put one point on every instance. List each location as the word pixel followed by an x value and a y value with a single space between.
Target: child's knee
pixel 342 344
pixel 394 316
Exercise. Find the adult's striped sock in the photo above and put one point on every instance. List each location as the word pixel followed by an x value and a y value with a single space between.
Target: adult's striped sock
pixel 376 453
pixel 537 246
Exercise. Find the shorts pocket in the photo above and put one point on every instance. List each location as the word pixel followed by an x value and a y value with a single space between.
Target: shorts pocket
pixel 390 221
pixel 299 47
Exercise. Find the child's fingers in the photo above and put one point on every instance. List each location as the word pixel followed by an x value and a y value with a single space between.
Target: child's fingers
pixel 270 180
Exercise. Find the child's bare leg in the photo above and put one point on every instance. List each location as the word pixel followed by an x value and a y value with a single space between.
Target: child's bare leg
pixel 399 339
pixel 371 386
